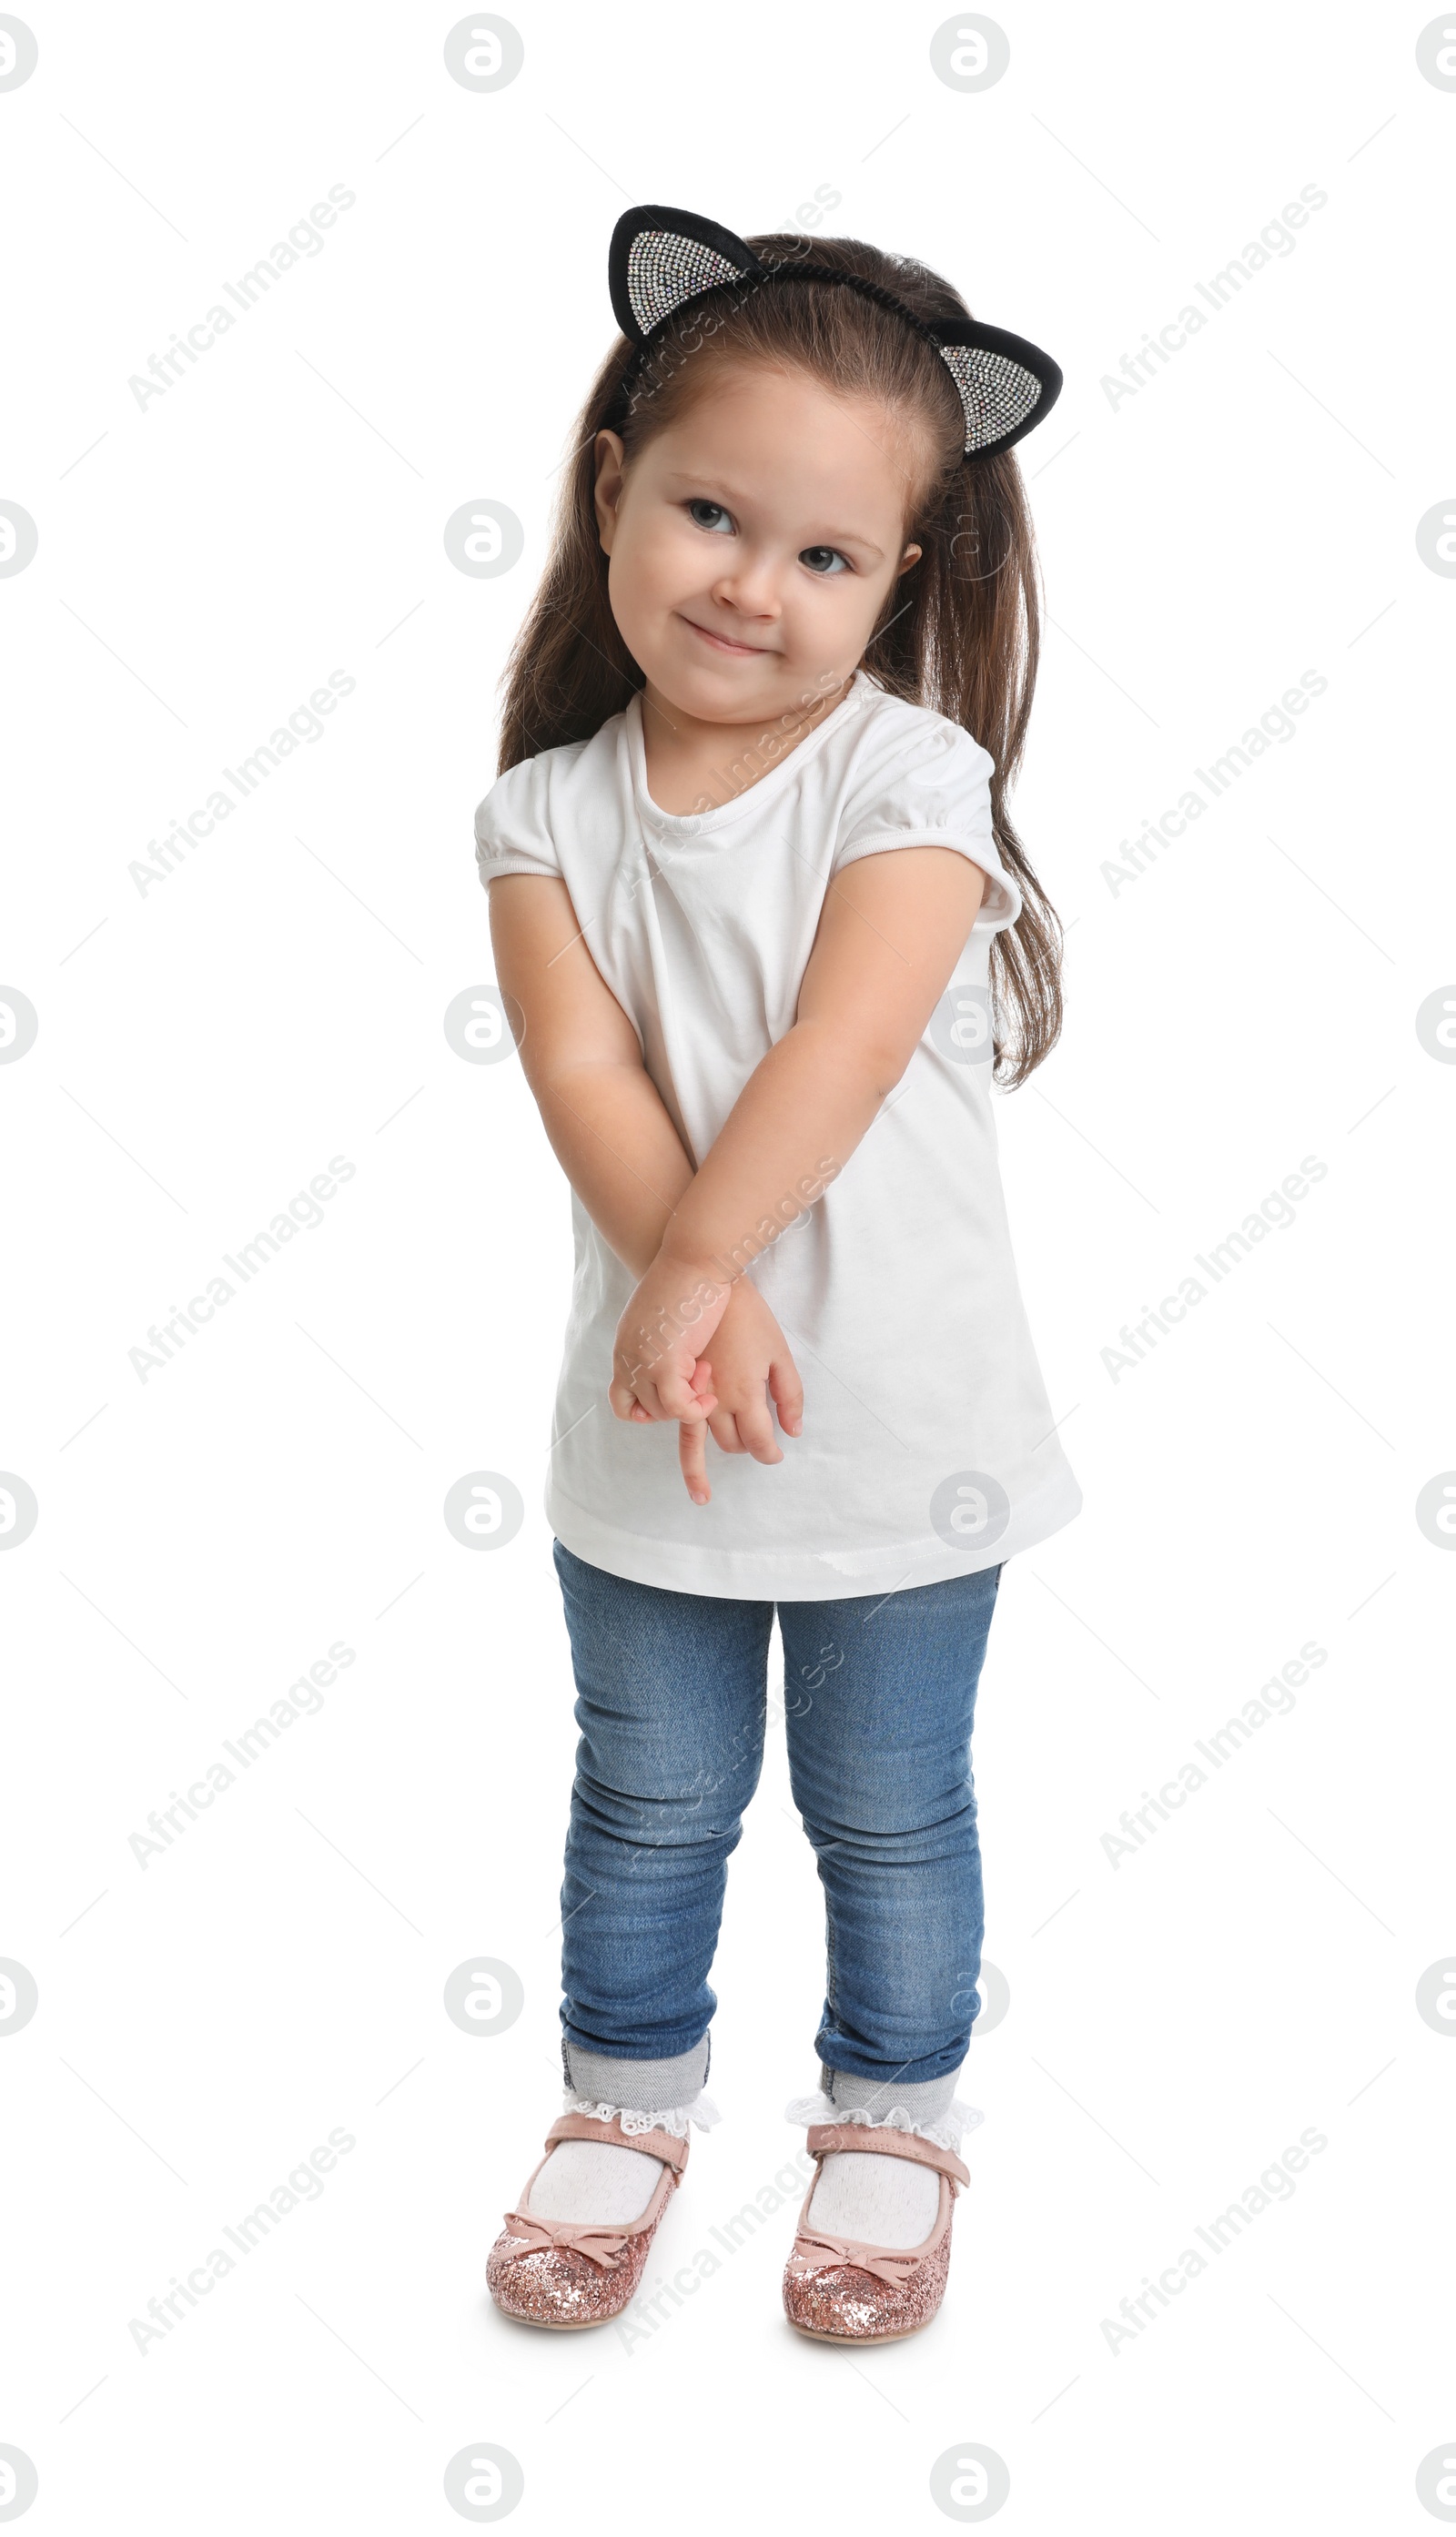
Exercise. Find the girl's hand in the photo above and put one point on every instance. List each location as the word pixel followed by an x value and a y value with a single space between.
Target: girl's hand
pixel 673 1312
pixel 746 1356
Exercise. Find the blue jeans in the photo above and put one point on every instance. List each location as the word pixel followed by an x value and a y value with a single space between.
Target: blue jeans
pixel 879 1697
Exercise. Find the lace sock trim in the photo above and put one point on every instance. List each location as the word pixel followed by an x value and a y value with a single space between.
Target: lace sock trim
pixel 946 2133
pixel 702 2113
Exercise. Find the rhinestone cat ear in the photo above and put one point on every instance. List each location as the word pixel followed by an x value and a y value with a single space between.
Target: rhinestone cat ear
pixel 659 259
pixel 1006 386
pixel 662 258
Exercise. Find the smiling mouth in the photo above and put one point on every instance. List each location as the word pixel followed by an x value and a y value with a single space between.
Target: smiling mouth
pixel 723 642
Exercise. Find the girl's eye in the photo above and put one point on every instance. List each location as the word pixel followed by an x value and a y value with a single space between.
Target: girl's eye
pixel 700 505
pixel 826 560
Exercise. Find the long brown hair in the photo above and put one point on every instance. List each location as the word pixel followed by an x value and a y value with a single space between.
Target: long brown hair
pixel 966 640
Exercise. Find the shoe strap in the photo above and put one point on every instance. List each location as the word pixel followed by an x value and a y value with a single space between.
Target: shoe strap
pixel 653 2144
pixel 884 2140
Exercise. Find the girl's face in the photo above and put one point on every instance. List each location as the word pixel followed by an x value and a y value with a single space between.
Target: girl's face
pixel 754 540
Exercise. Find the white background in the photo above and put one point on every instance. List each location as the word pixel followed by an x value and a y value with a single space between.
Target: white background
pixel 205 1049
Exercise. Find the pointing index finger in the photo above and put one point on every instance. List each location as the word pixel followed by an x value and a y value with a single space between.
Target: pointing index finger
pixel 693 1455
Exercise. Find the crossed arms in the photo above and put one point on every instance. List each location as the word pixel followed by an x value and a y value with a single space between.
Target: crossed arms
pixel 696 1342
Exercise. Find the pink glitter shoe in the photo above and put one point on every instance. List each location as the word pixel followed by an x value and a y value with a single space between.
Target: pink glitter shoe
pixel 842 2292
pixel 566 2273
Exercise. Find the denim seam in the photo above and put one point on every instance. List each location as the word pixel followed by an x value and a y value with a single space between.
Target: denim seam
pixel 830 1964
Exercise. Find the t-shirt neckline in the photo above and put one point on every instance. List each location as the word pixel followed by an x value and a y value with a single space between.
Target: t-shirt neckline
pixel 704 822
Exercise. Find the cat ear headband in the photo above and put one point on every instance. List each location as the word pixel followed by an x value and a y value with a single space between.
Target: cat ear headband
pixel 660 259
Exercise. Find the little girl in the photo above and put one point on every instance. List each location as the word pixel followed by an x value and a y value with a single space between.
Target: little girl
pixel 766 934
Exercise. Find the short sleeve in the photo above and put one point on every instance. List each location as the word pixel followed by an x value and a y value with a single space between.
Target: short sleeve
pixel 932 786
pixel 512 832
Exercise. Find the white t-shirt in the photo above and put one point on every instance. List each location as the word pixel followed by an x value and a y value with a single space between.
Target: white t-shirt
pixel 928 1448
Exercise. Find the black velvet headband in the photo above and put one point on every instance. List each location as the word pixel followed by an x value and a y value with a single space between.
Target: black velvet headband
pixel 660 259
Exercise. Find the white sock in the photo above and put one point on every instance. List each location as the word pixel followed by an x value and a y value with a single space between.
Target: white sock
pixel 595 2180
pixel 882 2201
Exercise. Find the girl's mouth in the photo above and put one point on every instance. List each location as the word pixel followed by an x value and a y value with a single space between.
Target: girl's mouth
pixel 721 643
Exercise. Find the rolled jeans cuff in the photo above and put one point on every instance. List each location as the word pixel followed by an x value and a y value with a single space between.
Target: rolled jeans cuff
pixel 923 2100
pixel 640 2087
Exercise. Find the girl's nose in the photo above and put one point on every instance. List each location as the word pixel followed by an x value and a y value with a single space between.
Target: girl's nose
pixel 750 585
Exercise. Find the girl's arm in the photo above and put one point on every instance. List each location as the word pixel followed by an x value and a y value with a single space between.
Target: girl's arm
pixel 605 1118
pixel 893 929
pixel 622 1154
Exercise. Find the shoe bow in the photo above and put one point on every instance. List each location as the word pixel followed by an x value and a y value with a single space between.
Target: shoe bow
pixel 602 2246
pixel 814 2254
